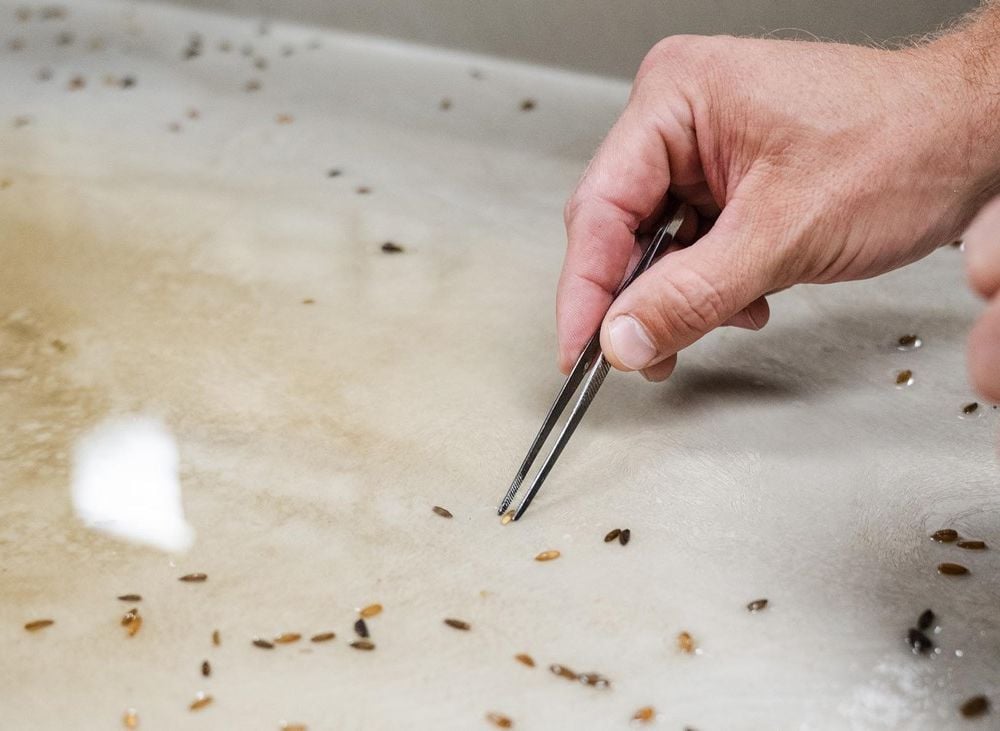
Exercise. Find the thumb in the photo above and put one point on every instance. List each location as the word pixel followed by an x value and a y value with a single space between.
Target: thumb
pixel 687 294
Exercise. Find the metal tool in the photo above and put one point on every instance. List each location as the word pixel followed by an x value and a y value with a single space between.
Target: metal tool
pixel 590 370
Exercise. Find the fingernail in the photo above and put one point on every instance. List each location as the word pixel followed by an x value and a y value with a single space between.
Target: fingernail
pixel 631 343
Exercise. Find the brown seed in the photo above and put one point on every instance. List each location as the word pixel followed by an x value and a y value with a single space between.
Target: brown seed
pixel 904 378
pixel 442 512
pixel 38 624
pixel 130 615
pixel 130 598
pixel 445 104
pixel 361 628
pixel 323 637
pixel 76 83
pixel 625 536
pixel 200 701
pixel 925 619
pixel 563 672
pixel 970 408
pixel 458 624
pixel 975 706
pixel 685 643
pixel 194 577
pixel 263 644
pixel 644 714
pixel 972 545
pixel 528 104
pixel 308 301
pixel 333 173
pixel 362 190
pixel 252 85
pixel 952 569
pixel 287 638
pixel 363 645
pixel 595 680
pixel 507 517
pixel 392 248
pixel 284 119
pixel 130 719
pixel 525 659
pixel 132 622
pixel 756 605
pixel 372 610
pixel 216 638
pixel 945 535
pixel 905 341
pixel 612 535
pixel 206 668
pixel 285 726
pixel 547 556
pixel 499 720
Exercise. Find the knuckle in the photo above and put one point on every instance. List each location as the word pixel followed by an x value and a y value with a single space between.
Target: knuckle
pixel 691 305
pixel 669 51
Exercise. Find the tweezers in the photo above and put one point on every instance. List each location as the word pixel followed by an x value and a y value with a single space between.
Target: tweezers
pixel 590 370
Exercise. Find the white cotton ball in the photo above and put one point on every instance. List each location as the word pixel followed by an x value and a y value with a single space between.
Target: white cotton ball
pixel 125 483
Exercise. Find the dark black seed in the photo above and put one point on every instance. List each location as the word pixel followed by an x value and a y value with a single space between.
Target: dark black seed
pixel 457 624
pixel 361 628
pixel 975 706
pixel 392 248
pixel 756 605
pixel 130 598
pixel 612 535
pixel 972 545
pixel 952 569
pixel 918 641
pixel 625 536
pixel 945 535
pixel 925 620
pixel 263 644
pixel 970 408
pixel 443 512
pixel 127 82
pixel 206 669
pixel 907 340
pixel 528 104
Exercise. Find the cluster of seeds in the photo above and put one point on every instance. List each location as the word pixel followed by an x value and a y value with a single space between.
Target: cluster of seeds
pixel 916 638
pixel 624 535
pixel 950 535
pixel 594 680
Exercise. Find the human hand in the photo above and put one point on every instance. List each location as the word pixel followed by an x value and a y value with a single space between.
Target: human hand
pixel 822 163
pixel 982 257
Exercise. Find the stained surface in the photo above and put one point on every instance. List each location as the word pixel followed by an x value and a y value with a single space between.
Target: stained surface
pixel 144 269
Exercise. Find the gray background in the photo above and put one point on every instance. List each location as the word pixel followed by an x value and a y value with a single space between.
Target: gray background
pixel 602 36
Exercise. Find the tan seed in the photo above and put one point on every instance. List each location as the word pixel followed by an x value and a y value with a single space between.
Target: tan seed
pixel 372 610
pixel 644 714
pixel 200 701
pixel 38 624
pixel 130 719
pixel 612 535
pixel 499 720
pixel 132 622
pixel 685 642
pixel 284 119
pixel 287 638
pixel 945 535
pixel 457 624
pixel 952 569
pixel 363 645
pixel 194 577
pixel 972 545
pixel 130 598
pixel 263 644
pixel 285 726
pixel 216 638
pixel 323 637
pixel 507 517
pixel 443 512
pixel 904 378
pixel 547 556
pixel 525 659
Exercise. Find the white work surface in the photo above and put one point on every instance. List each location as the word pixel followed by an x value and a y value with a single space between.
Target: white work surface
pixel 172 266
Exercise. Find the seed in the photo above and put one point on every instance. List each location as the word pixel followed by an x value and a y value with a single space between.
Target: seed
pixel 308 301
pixel 263 644
pixel 972 545
pixel 918 641
pixel 595 680
pixel 952 569
pixel 362 190
pixel 130 719
pixel 528 104
pixel 252 85
pixel 907 342
pixel 547 556
pixel 904 378
pixel 499 720
pixel 38 624
pixel 76 83
pixel 216 638
pixel 945 535
pixel 372 610
pixel 132 622
pixel 174 127
pixel 685 642
pixel 975 706
pixel 206 668
pixel 970 408
pixel 285 726
pixel 507 517
pixel 130 598
pixel 563 672
pixel 363 645
pixel 127 82
pixel 757 605
pixel 612 535
pixel 361 628
pixel 445 104
pixel 194 577
pixel 287 638
pixel 644 714
pixel 200 701
pixel 525 659
pixel 458 624
pixel 323 637
pixel 625 536
pixel 925 620
pixel 65 38
pixel 333 173
pixel 442 512
pixel 391 248
pixel 284 119
pixel 130 615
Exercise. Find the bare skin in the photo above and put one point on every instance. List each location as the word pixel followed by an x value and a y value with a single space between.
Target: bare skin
pixel 818 162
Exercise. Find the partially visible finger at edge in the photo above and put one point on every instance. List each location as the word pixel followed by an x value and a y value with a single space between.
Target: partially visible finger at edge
pixel 984 353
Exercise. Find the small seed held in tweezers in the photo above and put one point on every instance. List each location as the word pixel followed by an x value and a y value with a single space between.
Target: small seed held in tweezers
pixel 507 517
